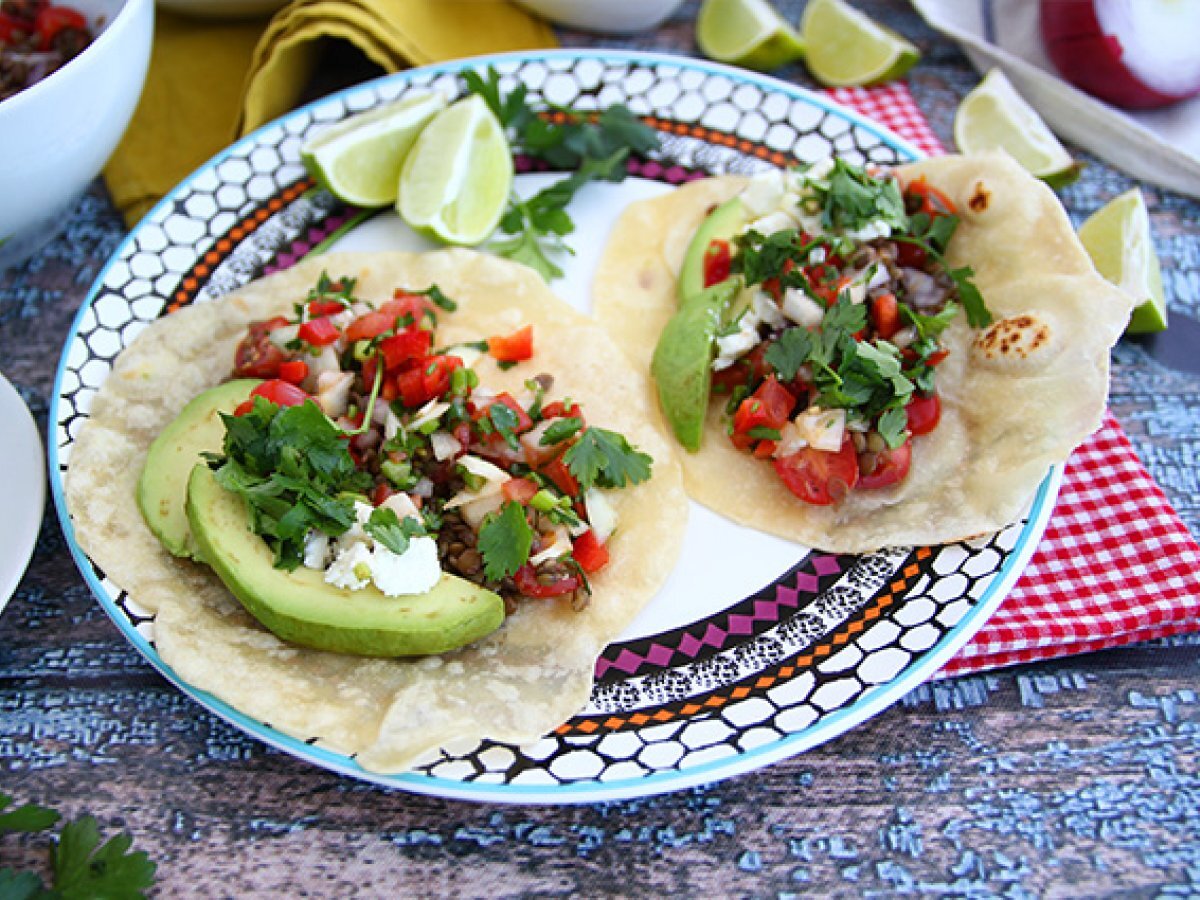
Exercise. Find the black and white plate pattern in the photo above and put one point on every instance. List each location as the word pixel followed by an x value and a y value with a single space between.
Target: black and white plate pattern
pixel 756 648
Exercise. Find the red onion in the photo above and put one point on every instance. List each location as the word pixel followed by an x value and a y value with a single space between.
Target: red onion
pixel 1137 54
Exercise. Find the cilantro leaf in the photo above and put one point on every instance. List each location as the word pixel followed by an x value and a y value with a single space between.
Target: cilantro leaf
pixel 885 359
pixel 112 871
pixel 22 886
pixel 790 352
pixel 505 539
pixel 505 421
pixel 931 326
pixel 560 430
pixel 606 458
pixel 978 315
pixel 892 425
pixel 394 533
pixel 854 198
pixel 28 817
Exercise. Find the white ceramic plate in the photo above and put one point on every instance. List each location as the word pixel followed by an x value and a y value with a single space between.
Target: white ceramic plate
pixel 756 648
pixel 22 489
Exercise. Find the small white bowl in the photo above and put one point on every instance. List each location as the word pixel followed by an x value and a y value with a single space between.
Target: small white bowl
pixel 59 132
pixel 605 16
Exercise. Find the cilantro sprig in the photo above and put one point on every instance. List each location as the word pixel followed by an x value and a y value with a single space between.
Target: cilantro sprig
pixel 594 147
pixel 505 539
pixel 605 458
pixel 81 867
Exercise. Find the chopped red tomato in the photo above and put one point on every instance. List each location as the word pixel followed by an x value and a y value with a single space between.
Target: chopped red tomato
pixel 370 325
pixel 529 584
pixel 280 392
pixel 718 262
pixel 557 409
pixel 519 489
pixel 422 380
pixel 924 412
pixel 885 315
pixel 589 552
pixel 53 19
pixel 325 307
pixel 931 201
pixel 770 406
pixel 256 355
pixel 889 467
pixel 410 309
pixel 514 347
pixel 293 371
pixel 820 477
pixel 772 286
pixel 559 474
pixel 319 332
pixel 381 492
pixel 524 423
pixel 412 342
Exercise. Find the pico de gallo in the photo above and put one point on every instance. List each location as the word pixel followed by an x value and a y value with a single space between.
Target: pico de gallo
pixel 828 364
pixel 371 453
pixel 36 39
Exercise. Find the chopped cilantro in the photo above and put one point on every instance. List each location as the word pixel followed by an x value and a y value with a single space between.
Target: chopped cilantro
pixel 605 458
pixel 854 199
pixel 560 430
pixel 790 352
pixel 505 422
pixel 389 529
pixel 505 539
pixel 892 425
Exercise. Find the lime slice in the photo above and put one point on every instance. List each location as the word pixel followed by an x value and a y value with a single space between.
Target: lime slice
pixel 995 117
pixel 1117 237
pixel 846 48
pixel 747 33
pixel 457 177
pixel 358 160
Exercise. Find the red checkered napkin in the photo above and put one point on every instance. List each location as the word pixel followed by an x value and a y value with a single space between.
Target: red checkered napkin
pixel 1116 564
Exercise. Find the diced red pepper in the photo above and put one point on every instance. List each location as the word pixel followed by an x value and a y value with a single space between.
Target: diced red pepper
pixel 514 347
pixel 411 343
pixel 319 332
pixel 425 379
pixel 589 552
pixel 718 262
pixel 293 371
pixel 325 307
pixel 381 492
pixel 932 201
pixel 556 409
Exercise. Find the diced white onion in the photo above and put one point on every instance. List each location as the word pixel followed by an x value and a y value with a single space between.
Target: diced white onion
pixel 444 445
pixel 801 308
pixel 559 545
pixel 601 514
pixel 333 392
pixel 430 412
pixel 823 429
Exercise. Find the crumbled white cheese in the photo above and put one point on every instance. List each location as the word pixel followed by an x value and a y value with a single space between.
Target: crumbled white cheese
pixel 771 223
pixel 413 572
pixel 763 194
pixel 730 347
pixel 766 310
pixel 316 549
pixel 876 228
pixel 347 569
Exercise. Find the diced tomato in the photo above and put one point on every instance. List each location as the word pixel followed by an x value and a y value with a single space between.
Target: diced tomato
pixel 280 392
pixel 370 325
pixel 910 256
pixel 559 474
pixel 244 407
pixel 10 28
pixel 718 262
pixel 924 412
pixel 325 307
pixel 519 489
pixel 528 583
pixel 770 406
pixel 294 370
pixel 256 355
pixel 937 357
pixel 319 332
pixel 381 492
pixel 406 307
pixel 930 200
pixel 558 409
pixel 772 286
pixel 514 347
pixel 524 423
pixel 820 477
pixel 53 19
pixel 890 467
pixel 589 552
pixel 829 290
pixel 412 342
pixel 885 315
pixel 425 379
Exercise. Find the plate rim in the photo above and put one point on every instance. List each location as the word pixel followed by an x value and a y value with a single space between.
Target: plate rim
pixel 869 704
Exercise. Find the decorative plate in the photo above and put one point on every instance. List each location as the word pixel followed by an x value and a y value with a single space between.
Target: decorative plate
pixel 756 648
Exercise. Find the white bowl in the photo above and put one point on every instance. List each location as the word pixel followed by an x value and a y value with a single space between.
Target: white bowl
pixel 56 135
pixel 605 16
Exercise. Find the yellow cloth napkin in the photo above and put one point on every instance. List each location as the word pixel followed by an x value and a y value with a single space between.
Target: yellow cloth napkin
pixel 212 81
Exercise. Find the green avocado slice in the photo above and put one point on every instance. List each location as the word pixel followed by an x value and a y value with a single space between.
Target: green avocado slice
pixel 682 360
pixel 720 225
pixel 301 607
pixel 162 486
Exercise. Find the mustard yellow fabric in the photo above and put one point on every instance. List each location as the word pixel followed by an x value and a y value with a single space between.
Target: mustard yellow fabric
pixel 212 81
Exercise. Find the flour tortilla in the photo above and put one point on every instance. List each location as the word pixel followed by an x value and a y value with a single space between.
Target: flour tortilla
pixel 1016 398
pixel 515 685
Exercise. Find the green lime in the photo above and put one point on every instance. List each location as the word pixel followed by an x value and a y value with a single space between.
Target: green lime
pixel 1117 237
pixel 747 33
pixel 456 180
pixel 846 48
pixel 995 117
pixel 358 160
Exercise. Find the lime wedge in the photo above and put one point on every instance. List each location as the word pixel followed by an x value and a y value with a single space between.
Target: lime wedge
pixel 995 117
pixel 846 48
pixel 358 160
pixel 747 33
pixel 1117 237
pixel 456 180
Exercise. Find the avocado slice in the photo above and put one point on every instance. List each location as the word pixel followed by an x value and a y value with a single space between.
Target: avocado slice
pixel 682 359
pixel 720 225
pixel 163 484
pixel 301 607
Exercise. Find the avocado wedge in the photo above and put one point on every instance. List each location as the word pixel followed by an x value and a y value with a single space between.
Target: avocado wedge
pixel 301 607
pixel 163 484
pixel 720 225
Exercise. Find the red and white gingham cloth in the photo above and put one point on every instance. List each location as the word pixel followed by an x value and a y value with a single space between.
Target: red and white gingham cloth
pixel 1116 564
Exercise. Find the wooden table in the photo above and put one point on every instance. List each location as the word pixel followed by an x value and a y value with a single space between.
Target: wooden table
pixel 1074 778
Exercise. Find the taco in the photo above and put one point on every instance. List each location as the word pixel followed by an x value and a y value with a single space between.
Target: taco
pixel 514 439
pixel 888 357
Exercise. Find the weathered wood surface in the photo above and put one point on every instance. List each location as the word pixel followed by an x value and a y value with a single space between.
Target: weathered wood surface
pixel 1069 779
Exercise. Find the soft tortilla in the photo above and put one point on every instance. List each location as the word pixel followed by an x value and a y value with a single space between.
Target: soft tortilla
pixel 515 685
pixel 1016 398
